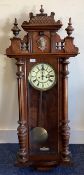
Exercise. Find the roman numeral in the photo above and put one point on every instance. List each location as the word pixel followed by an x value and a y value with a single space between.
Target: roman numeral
pixel 38 68
pixel 51 75
pixel 38 84
pixel 34 80
pixel 33 75
pixel 50 80
pixel 50 71
pixel 42 85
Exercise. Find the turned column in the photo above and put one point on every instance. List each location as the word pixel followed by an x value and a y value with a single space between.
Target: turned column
pixel 22 128
pixel 65 129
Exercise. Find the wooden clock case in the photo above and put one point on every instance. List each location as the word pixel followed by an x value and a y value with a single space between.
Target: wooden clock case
pixel 28 52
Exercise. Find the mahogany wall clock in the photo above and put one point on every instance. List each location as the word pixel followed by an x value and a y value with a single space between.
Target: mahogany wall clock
pixel 42 74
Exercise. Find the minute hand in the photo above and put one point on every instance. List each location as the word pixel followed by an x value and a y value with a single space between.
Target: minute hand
pixel 42 71
pixel 42 75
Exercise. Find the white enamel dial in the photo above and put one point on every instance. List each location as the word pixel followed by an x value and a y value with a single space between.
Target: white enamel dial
pixel 42 76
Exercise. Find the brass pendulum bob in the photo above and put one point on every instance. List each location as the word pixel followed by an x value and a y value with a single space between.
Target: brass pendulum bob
pixel 39 134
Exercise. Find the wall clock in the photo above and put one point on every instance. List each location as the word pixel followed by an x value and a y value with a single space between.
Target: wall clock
pixel 42 74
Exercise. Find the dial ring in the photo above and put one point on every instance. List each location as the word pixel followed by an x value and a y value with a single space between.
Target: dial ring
pixel 43 75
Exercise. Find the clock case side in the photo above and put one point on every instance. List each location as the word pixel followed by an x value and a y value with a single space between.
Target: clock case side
pixel 22 130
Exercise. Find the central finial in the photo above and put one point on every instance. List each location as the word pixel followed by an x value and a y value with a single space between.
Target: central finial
pixel 41 10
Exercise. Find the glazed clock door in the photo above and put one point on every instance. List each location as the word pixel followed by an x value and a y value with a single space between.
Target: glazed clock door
pixel 43 84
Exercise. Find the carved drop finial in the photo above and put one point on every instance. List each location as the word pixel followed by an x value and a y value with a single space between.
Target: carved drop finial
pixel 42 10
pixel 69 29
pixel 15 28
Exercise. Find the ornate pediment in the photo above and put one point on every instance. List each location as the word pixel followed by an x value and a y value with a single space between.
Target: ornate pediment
pixel 43 20
pixel 42 37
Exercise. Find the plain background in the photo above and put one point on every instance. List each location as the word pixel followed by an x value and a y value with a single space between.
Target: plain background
pixel 9 9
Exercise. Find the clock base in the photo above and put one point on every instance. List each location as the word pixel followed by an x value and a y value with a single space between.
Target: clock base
pixel 44 166
pixel 41 166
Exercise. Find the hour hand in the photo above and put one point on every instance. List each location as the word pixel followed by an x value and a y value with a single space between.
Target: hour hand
pixel 42 76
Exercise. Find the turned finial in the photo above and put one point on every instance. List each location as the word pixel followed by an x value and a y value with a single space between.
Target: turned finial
pixel 30 15
pixel 15 28
pixel 52 14
pixel 41 10
pixel 69 29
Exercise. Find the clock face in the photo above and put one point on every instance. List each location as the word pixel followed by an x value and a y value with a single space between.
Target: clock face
pixel 42 76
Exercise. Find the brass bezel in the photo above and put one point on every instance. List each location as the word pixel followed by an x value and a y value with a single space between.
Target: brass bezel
pixel 37 88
